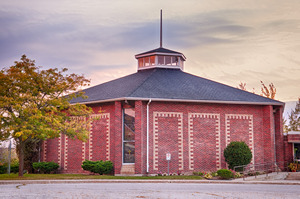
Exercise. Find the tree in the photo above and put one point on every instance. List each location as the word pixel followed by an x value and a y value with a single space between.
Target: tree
pixel 237 154
pixel 268 92
pixel 294 118
pixel 34 104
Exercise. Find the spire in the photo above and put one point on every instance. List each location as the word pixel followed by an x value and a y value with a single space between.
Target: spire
pixel 160 57
pixel 161 28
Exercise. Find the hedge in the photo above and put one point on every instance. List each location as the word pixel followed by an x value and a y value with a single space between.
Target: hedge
pixel 101 167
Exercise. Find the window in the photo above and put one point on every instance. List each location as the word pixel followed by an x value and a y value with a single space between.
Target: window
pixel 147 61
pixel 296 151
pixel 174 61
pixel 168 60
pixel 128 135
pixel 161 60
pixel 152 60
pixel 141 62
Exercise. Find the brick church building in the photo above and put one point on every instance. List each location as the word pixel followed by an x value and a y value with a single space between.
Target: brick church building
pixel 161 109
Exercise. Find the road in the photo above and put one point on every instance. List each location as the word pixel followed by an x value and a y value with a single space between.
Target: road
pixel 148 190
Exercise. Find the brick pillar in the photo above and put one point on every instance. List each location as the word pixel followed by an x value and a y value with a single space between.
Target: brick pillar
pixel 118 137
pixel 280 152
pixel 268 133
pixel 288 150
pixel 139 136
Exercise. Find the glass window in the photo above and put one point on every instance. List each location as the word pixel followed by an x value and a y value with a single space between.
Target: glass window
pixel 152 60
pixel 147 61
pixel 174 61
pixel 128 135
pixel 129 150
pixel 168 60
pixel 141 62
pixel 160 60
pixel 296 151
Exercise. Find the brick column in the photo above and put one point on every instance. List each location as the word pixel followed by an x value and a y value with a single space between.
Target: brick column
pixel 139 145
pixel 118 137
pixel 268 133
pixel 288 150
pixel 280 152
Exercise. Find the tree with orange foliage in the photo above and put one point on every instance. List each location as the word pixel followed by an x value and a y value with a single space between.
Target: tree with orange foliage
pixel 34 104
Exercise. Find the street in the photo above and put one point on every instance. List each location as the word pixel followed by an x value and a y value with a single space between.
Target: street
pixel 148 190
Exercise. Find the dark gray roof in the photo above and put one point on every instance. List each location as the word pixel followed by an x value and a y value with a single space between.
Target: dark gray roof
pixel 172 85
pixel 159 50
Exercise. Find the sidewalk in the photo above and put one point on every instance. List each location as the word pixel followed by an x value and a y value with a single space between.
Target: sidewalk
pixel 272 178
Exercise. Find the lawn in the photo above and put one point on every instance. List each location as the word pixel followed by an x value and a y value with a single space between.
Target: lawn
pixel 84 176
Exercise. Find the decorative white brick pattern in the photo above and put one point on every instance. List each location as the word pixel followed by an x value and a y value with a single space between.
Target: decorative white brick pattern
pixel 156 115
pixel 45 151
pixel 229 117
pixel 95 117
pixel 191 137
pixel 66 153
pixel 59 151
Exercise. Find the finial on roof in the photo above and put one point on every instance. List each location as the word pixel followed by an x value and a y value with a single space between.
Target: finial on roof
pixel 161 28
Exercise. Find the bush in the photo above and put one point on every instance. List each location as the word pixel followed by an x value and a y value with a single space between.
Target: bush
pixel 14 168
pixel 198 173
pixel 45 167
pixel 101 167
pixel 225 174
pixel 3 169
pixel 237 154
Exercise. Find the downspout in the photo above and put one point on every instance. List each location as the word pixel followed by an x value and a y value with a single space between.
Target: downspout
pixel 274 127
pixel 148 104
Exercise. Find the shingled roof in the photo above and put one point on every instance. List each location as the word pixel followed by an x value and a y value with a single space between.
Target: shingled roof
pixel 160 84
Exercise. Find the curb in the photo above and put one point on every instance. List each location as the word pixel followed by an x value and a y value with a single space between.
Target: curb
pixel 275 182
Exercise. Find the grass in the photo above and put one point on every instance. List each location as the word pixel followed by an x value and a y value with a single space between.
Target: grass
pixel 84 176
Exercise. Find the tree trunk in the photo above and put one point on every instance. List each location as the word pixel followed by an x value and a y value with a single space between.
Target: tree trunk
pixel 21 156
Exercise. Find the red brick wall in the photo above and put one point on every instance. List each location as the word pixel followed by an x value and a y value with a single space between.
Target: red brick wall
pixel 195 135
pixel 74 156
pixel 204 152
pixel 51 153
pixel 73 152
pixel 205 135
pixel 140 151
pixel 117 137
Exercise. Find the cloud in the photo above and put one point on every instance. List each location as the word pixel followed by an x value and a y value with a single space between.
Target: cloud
pixel 225 41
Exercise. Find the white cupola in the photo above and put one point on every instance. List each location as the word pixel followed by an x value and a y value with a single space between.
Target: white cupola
pixel 160 57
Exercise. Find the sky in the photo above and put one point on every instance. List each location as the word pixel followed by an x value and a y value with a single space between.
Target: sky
pixel 228 41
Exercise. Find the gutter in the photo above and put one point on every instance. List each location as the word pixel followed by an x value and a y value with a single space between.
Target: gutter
pixel 147 163
pixel 183 100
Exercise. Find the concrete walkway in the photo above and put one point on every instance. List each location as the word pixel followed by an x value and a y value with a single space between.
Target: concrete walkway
pixel 272 178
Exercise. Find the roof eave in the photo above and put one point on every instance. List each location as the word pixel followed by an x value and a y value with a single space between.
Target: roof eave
pixel 160 53
pixel 183 100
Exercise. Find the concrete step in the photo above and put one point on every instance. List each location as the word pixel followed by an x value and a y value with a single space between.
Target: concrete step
pixel 128 169
pixel 293 176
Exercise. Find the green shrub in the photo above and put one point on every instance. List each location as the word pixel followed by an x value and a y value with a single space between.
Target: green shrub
pixel 225 174
pixel 214 174
pixel 237 154
pixel 3 169
pixel 198 173
pixel 14 168
pixel 45 167
pixel 101 167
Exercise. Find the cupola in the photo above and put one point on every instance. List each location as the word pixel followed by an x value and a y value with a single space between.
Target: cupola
pixel 160 57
